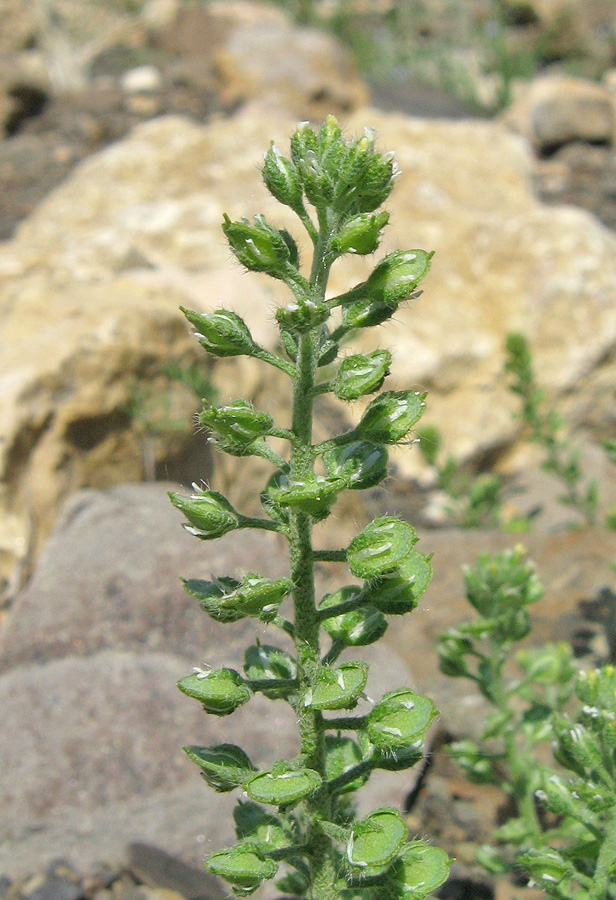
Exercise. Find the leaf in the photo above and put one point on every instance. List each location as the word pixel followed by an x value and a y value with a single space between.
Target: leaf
pixel 380 547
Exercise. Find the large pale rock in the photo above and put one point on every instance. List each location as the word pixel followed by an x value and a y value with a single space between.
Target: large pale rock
pixel 89 657
pixel 556 110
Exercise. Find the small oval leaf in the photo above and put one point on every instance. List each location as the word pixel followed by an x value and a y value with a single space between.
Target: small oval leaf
pixel 380 547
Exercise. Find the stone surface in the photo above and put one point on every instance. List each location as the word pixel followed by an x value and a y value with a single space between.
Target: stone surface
pixel 556 110
pixel 89 657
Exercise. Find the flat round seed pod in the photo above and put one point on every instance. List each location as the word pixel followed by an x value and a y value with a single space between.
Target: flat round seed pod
pixel 220 691
pixel 358 375
pixel 357 628
pixel 270 670
pixel 376 840
pixel 257 596
pixel 337 688
pixel 224 766
pixel 391 416
pixel 283 785
pixel 342 754
pixel 401 717
pixel 361 464
pixel 398 593
pixel 261 827
pixel 418 871
pixel 380 547
pixel 209 594
pixel 313 497
pixel 242 866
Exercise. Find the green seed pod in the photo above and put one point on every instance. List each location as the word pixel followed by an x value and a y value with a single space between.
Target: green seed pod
pixel 358 628
pixel 400 717
pixel 283 786
pixel 224 766
pixel 209 513
pixel 314 497
pixel 398 593
pixel 391 416
pixel 276 512
pixel 270 670
pixel 220 691
pixel 361 234
pixel 281 178
pixel 360 464
pixel 342 754
pixel 210 593
pixel 366 312
pixel 380 547
pixel 221 333
pixel 259 247
pixel 399 759
pixel 236 425
pixel 243 866
pixel 397 276
pixel 359 375
pixel 547 867
pixel 376 840
pixel 419 870
pixel 262 829
pixel 301 317
pixel 338 688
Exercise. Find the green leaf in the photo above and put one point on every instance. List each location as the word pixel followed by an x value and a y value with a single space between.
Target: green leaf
pixel 398 593
pixel 419 870
pixel 360 464
pixel 224 766
pixel 270 670
pixel 221 333
pixel 391 416
pixel 282 786
pixel 400 717
pixel 236 425
pixel 380 547
pixel 342 754
pixel 359 375
pixel 338 688
pixel 243 866
pixel 209 513
pixel 363 625
pixel 376 840
pixel 220 691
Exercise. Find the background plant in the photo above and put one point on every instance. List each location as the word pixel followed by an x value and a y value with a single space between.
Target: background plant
pixel 298 812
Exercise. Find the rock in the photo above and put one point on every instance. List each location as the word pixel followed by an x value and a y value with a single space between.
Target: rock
pixel 555 110
pixel 142 80
pixel 89 658
pixel 158 869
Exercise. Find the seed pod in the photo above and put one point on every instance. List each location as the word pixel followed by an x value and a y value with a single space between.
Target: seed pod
pixel 397 276
pixel 391 416
pixel 401 717
pixel 360 464
pixel 283 786
pixel 281 178
pixel 243 866
pixel 398 593
pixel 313 497
pixel 342 754
pixel 419 870
pixel 376 840
pixel 301 317
pixel 338 688
pixel 366 312
pixel 551 664
pixel 262 828
pixel 358 628
pixel 259 247
pixel 359 375
pixel 209 513
pixel 361 234
pixel 476 764
pixel 221 333
pixel 236 425
pixel 399 759
pixel 451 660
pixel 210 593
pixel 270 670
pixel 227 600
pixel 380 547
pixel 224 766
pixel 220 691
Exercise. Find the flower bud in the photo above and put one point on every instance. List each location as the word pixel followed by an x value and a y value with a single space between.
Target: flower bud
pixel 281 178
pixel 209 513
pixel 259 247
pixel 397 276
pixel 546 867
pixel 220 691
pixel 380 547
pixel 557 794
pixel 400 717
pixel 391 416
pixel 361 234
pixel 577 749
pixel 221 333
pixel 236 425
pixel 224 766
pixel 358 375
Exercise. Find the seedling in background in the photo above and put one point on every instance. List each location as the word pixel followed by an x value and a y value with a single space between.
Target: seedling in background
pixel 298 813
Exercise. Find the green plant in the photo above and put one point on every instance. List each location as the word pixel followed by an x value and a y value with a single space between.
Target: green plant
pixel 312 827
